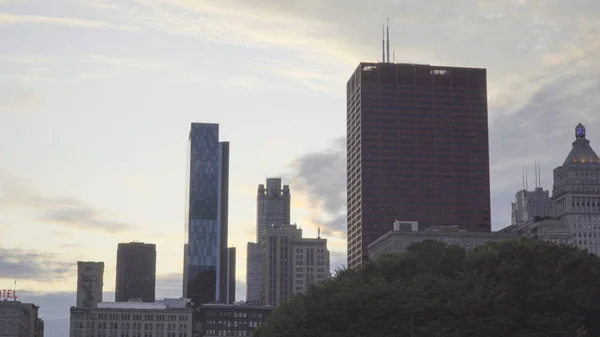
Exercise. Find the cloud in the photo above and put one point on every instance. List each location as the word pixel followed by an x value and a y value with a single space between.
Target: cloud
pixel 13 101
pixel 141 63
pixel 323 41
pixel 321 176
pixel 6 18
pixel 17 264
pixel 539 129
pixel 18 193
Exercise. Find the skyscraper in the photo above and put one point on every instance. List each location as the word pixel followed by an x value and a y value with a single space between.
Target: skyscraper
pixel 206 253
pixel 272 208
pixel 90 283
pixel 417 150
pixel 136 272
pixel 531 204
pixel 576 192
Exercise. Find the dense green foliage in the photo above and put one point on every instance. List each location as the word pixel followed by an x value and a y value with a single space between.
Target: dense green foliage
pixel 515 288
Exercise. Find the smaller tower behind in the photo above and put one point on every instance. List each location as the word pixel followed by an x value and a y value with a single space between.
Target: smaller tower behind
pixel 90 283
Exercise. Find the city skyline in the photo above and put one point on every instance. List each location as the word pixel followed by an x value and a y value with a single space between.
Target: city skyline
pixel 97 99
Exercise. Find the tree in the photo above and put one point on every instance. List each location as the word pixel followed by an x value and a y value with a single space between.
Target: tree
pixel 517 288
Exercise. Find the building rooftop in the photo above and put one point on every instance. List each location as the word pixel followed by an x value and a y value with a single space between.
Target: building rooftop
pixel 167 303
pixel 581 152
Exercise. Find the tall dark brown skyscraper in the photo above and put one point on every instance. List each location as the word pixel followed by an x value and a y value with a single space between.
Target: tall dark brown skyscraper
pixel 417 149
pixel 136 272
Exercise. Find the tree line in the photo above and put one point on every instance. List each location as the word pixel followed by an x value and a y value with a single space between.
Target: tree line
pixel 513 288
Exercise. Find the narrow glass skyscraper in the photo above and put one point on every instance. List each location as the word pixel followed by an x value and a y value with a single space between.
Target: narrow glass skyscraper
pixel 206 257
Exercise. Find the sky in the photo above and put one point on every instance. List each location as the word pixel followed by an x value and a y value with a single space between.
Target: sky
pixel 97 97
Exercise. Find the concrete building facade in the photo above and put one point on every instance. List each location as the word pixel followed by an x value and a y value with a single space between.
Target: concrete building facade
pixel 576 192
pixel 253 273
pixel 310 263
pixel 19 319
pixel 272 208
pixel 417 148
pixel 36 324
pixel 238 319
pixel 166 318
pixel 90 283
pixel 543 229
pixel 531 204
pixel 404 235
pixel 290 263
pixel 136 272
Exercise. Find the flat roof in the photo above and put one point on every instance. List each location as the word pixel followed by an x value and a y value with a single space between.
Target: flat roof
pixel 499 235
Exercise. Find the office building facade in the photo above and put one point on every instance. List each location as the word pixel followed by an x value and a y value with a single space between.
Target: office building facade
pixel 406 233
pixel 253 273
pixel 417 149
pixel 136 272
pixel 206 254
pixel 531 204
pixel 90 283
pixel 165 318
pixel 232 319
pixel 19 319
pixel 290 263
pixel 576 192
pixel 272 208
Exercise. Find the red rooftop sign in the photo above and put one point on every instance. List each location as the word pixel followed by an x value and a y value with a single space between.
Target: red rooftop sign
pixel 8 294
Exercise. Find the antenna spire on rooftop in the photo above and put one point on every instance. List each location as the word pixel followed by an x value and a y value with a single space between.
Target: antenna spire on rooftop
pixel 382 44
pixel 388 39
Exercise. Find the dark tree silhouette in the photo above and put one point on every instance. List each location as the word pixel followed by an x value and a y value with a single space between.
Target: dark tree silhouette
pixel 516 288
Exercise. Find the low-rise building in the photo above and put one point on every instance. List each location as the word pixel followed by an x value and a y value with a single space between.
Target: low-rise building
pixel 406 233
pixel 20 320
pixel 166 318
pixel 238 319
pixel 545 229
pixel 36 324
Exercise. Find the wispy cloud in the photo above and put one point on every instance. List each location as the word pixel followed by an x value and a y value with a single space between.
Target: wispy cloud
pixel 16 101
pixel 20 264
pixel 128 62
pixel 6 18
pixel 20 194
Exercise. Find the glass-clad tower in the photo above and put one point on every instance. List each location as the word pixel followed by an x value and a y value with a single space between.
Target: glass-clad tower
pixel 206 267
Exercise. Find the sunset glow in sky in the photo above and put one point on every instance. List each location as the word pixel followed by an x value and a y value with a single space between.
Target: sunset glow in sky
pixel 97 97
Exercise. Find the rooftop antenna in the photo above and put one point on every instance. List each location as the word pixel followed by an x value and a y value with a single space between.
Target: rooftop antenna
pixel 388 39
pixel 382 44
pixel 319 233
pixel 393 56
pixel 535 173
pixel 526 179
pixel 539 175
pixel 523 176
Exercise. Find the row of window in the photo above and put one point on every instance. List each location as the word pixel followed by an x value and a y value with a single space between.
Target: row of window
pixel 81 333
pixel 128 317
pixel 127 326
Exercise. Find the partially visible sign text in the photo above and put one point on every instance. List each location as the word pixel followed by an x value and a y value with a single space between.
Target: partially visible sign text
pixel 8 293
